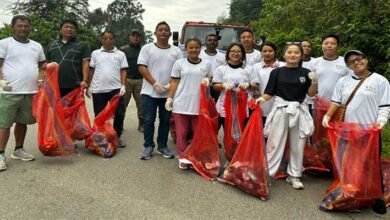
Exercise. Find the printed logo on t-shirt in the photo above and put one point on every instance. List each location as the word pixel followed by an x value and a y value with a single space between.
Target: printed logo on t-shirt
pixel 35 49
pixel 339 67
pixel 370 88
pixel 220 62
pixel 302 79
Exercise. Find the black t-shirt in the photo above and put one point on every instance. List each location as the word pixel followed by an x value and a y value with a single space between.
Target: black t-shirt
pixel 291 84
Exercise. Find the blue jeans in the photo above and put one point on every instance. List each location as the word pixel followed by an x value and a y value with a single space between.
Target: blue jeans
pixel 149 107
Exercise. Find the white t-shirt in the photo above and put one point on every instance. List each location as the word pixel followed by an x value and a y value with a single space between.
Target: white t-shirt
pixel 308 64
pixel 159 63
pixel 187 95
pixel 215 60
pixel 253 57
pixel 329 72
pixel 20 67
pixel 227 74
pixel 263 72
pixel 364 106
pixel 108 65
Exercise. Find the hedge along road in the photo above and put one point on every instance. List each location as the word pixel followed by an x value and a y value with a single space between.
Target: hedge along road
pixel 85 186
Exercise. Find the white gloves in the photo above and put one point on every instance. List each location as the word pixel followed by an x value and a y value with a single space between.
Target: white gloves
pixel 160 88
pixel 260 100
pixel 244 85
pixel 169 104
pixel 5 85
pixel 88 93
pixel 206 81
pixel 382 121
pixel 228 86
pixel 325 121
pixel 314 78
pixel 122 91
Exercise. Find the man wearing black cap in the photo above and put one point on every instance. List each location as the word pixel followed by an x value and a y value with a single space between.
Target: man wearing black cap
pixel 134 78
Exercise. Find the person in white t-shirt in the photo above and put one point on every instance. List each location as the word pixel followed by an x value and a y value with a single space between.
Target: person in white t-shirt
pixel 263 70
pixel 330 67
pixel 155 63
pixel 183 97
pixel 20 59
pixel 252 55
pixel 108 78
pixel 307 58
pixel 371 103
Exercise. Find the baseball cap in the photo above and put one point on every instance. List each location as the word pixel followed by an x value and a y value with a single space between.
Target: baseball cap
pixel 350 52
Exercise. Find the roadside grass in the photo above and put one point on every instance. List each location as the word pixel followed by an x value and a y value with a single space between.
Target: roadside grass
pixel 386 141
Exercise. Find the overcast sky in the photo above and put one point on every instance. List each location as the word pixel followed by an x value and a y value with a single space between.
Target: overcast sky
pixel 175 12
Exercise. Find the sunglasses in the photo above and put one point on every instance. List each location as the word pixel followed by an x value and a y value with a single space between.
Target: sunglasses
pixel 352 61
pixel 293 42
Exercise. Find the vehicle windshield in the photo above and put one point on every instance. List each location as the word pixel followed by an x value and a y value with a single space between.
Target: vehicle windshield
pixel 228 35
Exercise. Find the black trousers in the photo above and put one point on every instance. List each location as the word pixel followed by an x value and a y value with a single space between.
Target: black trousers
pixel 100 101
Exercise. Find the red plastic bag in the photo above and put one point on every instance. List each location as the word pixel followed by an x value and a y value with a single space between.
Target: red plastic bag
pixel 357 184
pixel 385 164
pixel 104 139
pixel 236 112
pixel 248 169
pixel 53 133
pixel 76 114
pixel 203 152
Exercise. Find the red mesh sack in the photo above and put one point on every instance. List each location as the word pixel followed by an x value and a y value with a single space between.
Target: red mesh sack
pixel 236 111
pixel 385 164
pixel 53 134
pixel 318 154
pixel 76 114
pixel 248 169
pixel 104 139
pixel 203 152
pixel 357 183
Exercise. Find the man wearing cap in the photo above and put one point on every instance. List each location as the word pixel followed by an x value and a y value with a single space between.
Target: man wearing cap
pixel 134 78
pixel 72 56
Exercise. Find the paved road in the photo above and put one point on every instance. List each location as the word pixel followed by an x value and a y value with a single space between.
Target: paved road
pixel 85 186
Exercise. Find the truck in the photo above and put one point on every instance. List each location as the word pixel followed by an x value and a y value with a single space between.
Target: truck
pixel 227 33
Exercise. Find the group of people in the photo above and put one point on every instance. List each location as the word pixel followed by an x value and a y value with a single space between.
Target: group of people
pixel 162 80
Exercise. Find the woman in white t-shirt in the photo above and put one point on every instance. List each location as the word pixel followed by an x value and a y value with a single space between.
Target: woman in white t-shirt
pixel 263 70
pixel 183 97
pixel 370 104
pixel 234 75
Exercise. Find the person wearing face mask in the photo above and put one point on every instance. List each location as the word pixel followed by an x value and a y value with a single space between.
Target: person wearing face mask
pixel 72 56
pixel 290 115
pixel 184 92
pixel 155 64
pixel 263 70
pixel 107 79
pixel 370 103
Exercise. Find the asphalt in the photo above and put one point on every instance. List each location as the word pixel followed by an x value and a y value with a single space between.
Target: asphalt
pixel 86 186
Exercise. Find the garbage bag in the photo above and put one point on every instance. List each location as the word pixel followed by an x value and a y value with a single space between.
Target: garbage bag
pixel 76 114
pixel 385 164
pixel 248 169
pixel 53 133
pixel 203 151
pixel 236 112
pixel 355 152
pixel 104 139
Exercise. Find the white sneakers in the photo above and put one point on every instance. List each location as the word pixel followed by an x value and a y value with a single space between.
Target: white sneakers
pixel 295 182
pixel 3 165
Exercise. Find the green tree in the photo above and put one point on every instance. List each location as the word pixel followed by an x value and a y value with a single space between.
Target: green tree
pixel 125 15
pixel 244 11
pixel 361 24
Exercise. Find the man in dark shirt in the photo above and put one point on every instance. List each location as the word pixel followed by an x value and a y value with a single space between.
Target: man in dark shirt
pixel 72 56
pixel 134 78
